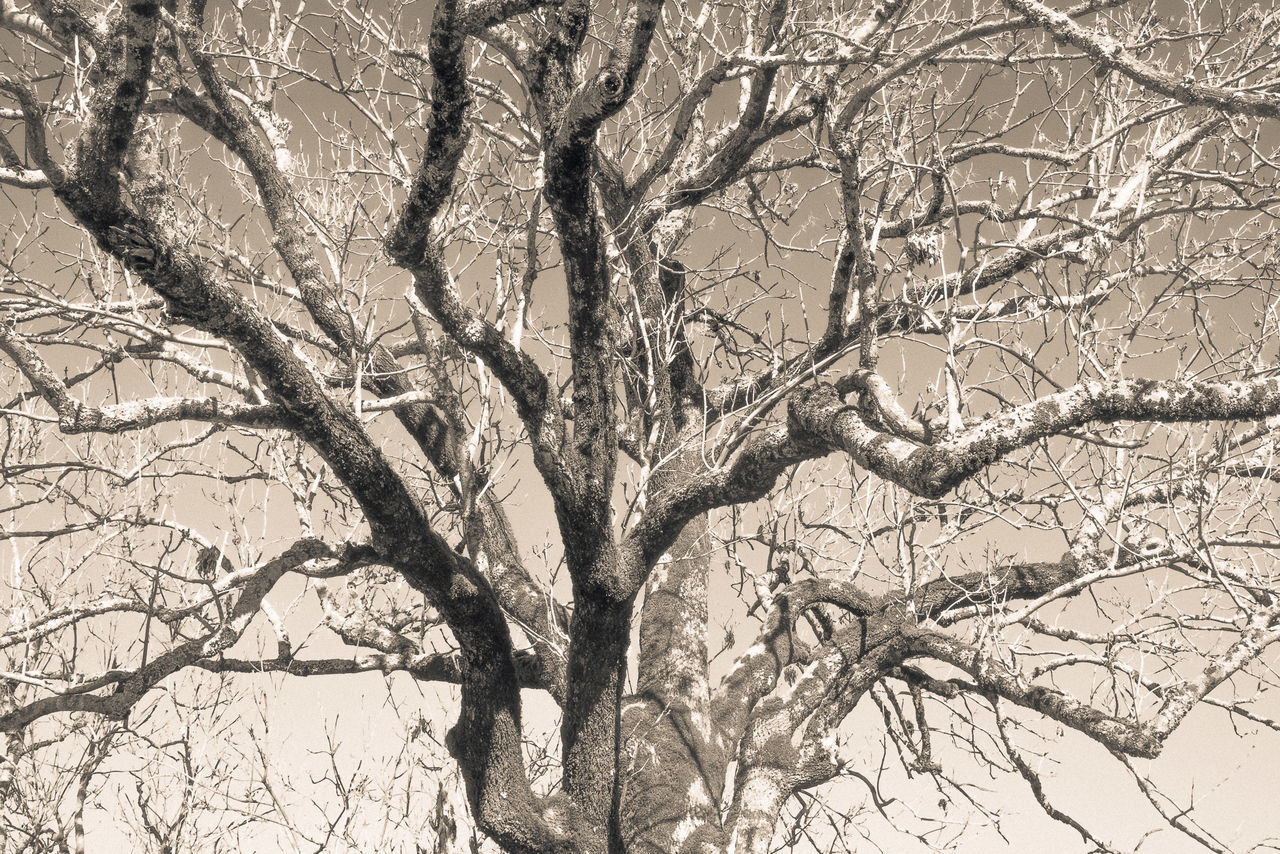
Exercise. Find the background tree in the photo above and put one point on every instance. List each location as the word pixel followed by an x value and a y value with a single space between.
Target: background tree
pixel 898 369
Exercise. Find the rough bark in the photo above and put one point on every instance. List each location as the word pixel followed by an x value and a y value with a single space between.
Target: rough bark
pixel 658 405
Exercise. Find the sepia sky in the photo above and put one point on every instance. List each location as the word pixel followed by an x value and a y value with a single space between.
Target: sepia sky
pixel 315 729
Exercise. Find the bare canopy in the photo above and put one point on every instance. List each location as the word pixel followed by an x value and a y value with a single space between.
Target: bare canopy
pixel 907 358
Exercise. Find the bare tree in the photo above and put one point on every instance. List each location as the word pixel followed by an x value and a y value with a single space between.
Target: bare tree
pixel 897 365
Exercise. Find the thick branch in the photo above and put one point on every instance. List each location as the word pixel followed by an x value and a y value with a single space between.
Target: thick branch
pixel 117 101
pixel 434 431
pixel 24 179
pixel 488 737
pixel 747 476
pixel 411 243
pixel 772 762
pixel 447 135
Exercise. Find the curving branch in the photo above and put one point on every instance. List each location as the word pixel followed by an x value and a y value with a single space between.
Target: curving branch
pixel 1113 55
pixel 75 417
pixel 746 476
pixel 1127 737
pixel 129 686
pixel 412 244
pixel 991 675
pixel 33 114
pixel 934 470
